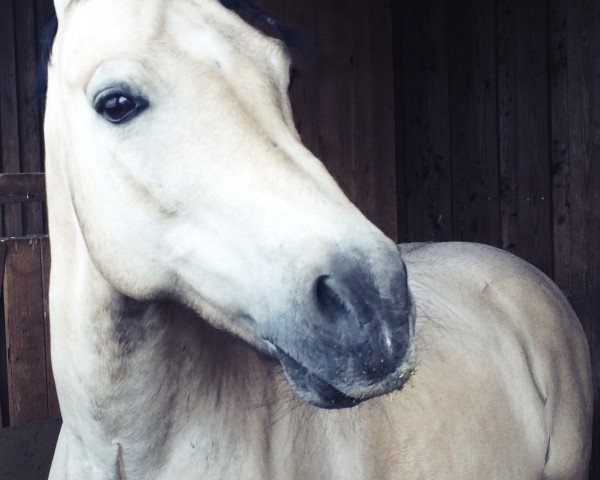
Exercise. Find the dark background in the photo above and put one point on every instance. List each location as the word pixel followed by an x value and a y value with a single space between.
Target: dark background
pixel 442 120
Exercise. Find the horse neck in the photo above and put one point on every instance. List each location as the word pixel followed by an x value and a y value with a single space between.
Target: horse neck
pixel 145 375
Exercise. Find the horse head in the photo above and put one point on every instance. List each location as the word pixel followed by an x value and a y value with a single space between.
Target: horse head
pixel 172 154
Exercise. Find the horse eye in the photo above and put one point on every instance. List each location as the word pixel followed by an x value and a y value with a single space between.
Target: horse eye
pixel 119 107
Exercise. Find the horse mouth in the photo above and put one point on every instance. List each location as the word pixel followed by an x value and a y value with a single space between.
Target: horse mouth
pixel 310 386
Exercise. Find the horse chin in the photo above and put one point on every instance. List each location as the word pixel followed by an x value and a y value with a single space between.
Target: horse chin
pixel 310 387
pixel 320 393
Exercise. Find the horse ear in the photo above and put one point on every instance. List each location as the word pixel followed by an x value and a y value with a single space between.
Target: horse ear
pixel 60 7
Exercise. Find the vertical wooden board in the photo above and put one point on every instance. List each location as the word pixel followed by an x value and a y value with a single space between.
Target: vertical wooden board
pixel 25 339
pixel 532 120
pixel 9 118
pixel 559 142
pixel 426 120
pixel 409 26
pixel 44 14
pixel 361 102
pixel 507 125
pixel 304 89
pixel 53 406
pixel 373 104
pixel 473 121
pixel 583 184
pixel 29 121
pixel 336 134
pixel 400 127
pixel 525 199
pixel 3 370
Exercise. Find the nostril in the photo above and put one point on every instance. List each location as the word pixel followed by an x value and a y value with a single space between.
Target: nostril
pixel 328 300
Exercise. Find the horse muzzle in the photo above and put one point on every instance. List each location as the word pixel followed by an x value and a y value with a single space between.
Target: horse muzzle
pixel 352 340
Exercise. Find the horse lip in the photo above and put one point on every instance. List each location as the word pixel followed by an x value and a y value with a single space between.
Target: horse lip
pixel 322 394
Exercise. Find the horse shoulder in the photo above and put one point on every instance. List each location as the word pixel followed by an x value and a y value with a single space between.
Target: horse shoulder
pixel 502 316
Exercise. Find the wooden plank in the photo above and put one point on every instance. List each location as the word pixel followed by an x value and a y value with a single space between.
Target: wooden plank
pixel 29 120
pixel 473 121
pixel 532 120
pixel 574 41
pixel 22 187
pixel 44 14
pixel 3 370
pixel 9 119
pixel 361 103
pixel 525 199
pixel 53 406
pixel 373 113
pixel 559 136
pixel 400 127
pixel 426 120
pixel 25 336
pixel 336 133
pixel 507 128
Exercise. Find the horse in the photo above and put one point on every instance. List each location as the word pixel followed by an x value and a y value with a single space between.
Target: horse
pixel 220 310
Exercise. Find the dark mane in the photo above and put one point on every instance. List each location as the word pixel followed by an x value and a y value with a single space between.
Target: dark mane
pixel 292 39
pixel 294 42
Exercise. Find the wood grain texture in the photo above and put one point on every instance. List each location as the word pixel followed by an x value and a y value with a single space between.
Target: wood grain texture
pixel 29 120
pixel 373 103
pixel 400 87
pixel 426 119
pixel 336 133
pixel 474 121
pixel 25 332
pixel 12 224
pixel 53 405
pixel 525 200
pixel 4 421
pixel 575 123
pixel 22 187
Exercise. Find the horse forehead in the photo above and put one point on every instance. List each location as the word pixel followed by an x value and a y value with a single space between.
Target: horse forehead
pixel 98 30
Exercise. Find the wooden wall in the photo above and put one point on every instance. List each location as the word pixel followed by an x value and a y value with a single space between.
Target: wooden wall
pixel 21 142
pixel 468 120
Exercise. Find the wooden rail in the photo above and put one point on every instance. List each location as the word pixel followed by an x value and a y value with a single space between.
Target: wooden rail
pixel 22 187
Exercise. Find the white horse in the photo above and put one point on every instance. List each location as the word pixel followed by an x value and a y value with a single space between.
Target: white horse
pixel 198 248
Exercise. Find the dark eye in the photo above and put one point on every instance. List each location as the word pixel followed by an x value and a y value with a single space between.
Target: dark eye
pixel 118 106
